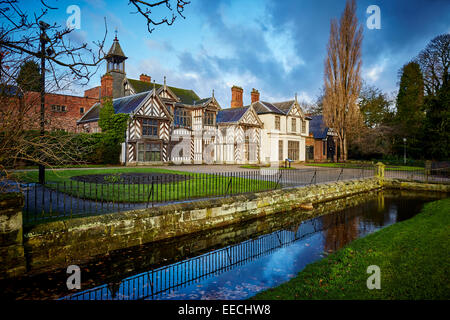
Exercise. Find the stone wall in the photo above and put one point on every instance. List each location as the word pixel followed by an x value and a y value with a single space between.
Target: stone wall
pixel 12 258
pixel 417 186
pixel 67 242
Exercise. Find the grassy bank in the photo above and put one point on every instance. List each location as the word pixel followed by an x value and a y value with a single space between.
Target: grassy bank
pixel 413 257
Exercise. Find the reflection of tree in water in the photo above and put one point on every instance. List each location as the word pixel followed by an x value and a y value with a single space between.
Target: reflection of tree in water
pixel 114 287
pixel 341 228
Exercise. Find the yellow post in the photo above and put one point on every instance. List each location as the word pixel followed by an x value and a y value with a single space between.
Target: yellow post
pixel 379 171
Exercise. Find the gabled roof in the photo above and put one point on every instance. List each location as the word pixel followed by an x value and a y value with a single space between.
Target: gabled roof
pixel 129 103
pixel 262 107
pixel 284 106
pixel 186 96
pixel 235 115
pixel 230 115
pixel 121 105
pixel 202 101
pixel 317 127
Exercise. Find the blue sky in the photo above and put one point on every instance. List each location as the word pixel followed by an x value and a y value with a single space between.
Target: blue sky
pixel 275 46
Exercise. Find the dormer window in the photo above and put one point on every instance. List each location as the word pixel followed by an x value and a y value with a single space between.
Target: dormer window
pixel 293 125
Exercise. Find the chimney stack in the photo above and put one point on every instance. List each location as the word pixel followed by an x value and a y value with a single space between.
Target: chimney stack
pixel 145 78
pixel 236 97
pixel 107 86
pixel 255 95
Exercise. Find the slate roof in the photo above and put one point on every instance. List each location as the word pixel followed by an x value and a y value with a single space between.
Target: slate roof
pixel 284 106
pixel 116 50
pixel 262 107
pixel 202 101
pixel 10 90
pixel 121 105
pixel 317 127
pixel 230 115
pixel 186 96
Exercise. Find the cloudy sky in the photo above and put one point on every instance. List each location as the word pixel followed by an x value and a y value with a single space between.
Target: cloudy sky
pixel 275 46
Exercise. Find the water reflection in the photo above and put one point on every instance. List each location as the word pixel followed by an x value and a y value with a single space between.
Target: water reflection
pixel 239 271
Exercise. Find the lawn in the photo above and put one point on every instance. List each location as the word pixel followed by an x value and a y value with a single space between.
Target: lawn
pixel 413 257
pixel 197 185
pixel 356 165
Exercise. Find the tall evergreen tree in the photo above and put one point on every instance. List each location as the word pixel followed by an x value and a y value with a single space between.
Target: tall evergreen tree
pixel 410 108
pixel 437 124
pixel 410 98
pixel 29 77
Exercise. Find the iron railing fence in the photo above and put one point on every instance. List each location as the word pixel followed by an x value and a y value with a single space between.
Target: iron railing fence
pixel 74 198
pixel 440 175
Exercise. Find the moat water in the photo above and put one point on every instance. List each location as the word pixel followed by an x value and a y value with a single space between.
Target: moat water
pixel 235 262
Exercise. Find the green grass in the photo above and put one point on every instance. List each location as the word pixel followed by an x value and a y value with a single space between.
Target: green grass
pixel 356 166
pixel 198 186
pixel 413 257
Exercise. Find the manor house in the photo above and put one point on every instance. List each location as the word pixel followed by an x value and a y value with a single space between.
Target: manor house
pixel 169 124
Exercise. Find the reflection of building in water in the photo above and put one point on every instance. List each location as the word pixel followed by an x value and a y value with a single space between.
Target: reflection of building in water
pixel 340 229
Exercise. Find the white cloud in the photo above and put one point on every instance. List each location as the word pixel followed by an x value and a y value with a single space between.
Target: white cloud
pixel 281 45
pixel 373 73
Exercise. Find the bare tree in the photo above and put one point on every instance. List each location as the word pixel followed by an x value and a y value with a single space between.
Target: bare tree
pixel 145 9
pixel 434 61
pixel 22 35
pixel 342 80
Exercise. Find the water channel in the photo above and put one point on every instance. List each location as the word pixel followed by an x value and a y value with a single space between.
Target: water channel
pixel 235 262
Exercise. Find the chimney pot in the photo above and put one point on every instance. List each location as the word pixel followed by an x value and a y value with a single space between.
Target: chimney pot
pixel 145 78
pixel 255 95
pixel 236 97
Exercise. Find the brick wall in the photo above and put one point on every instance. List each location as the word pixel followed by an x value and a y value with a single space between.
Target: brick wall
pixel 56 119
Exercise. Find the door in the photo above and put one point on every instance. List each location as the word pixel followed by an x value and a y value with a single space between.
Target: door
pixel 310 153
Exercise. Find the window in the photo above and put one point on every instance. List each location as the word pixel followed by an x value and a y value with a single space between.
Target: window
pixel 81 110
pixel 182 118
pixel 324 143
pixel 208 119
pixel 293 150
pixel 149 127
pixel 280 150
pixel 294 125
pixel 59 108
pixel 149 152
pixel 277 123
pixel 303 126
